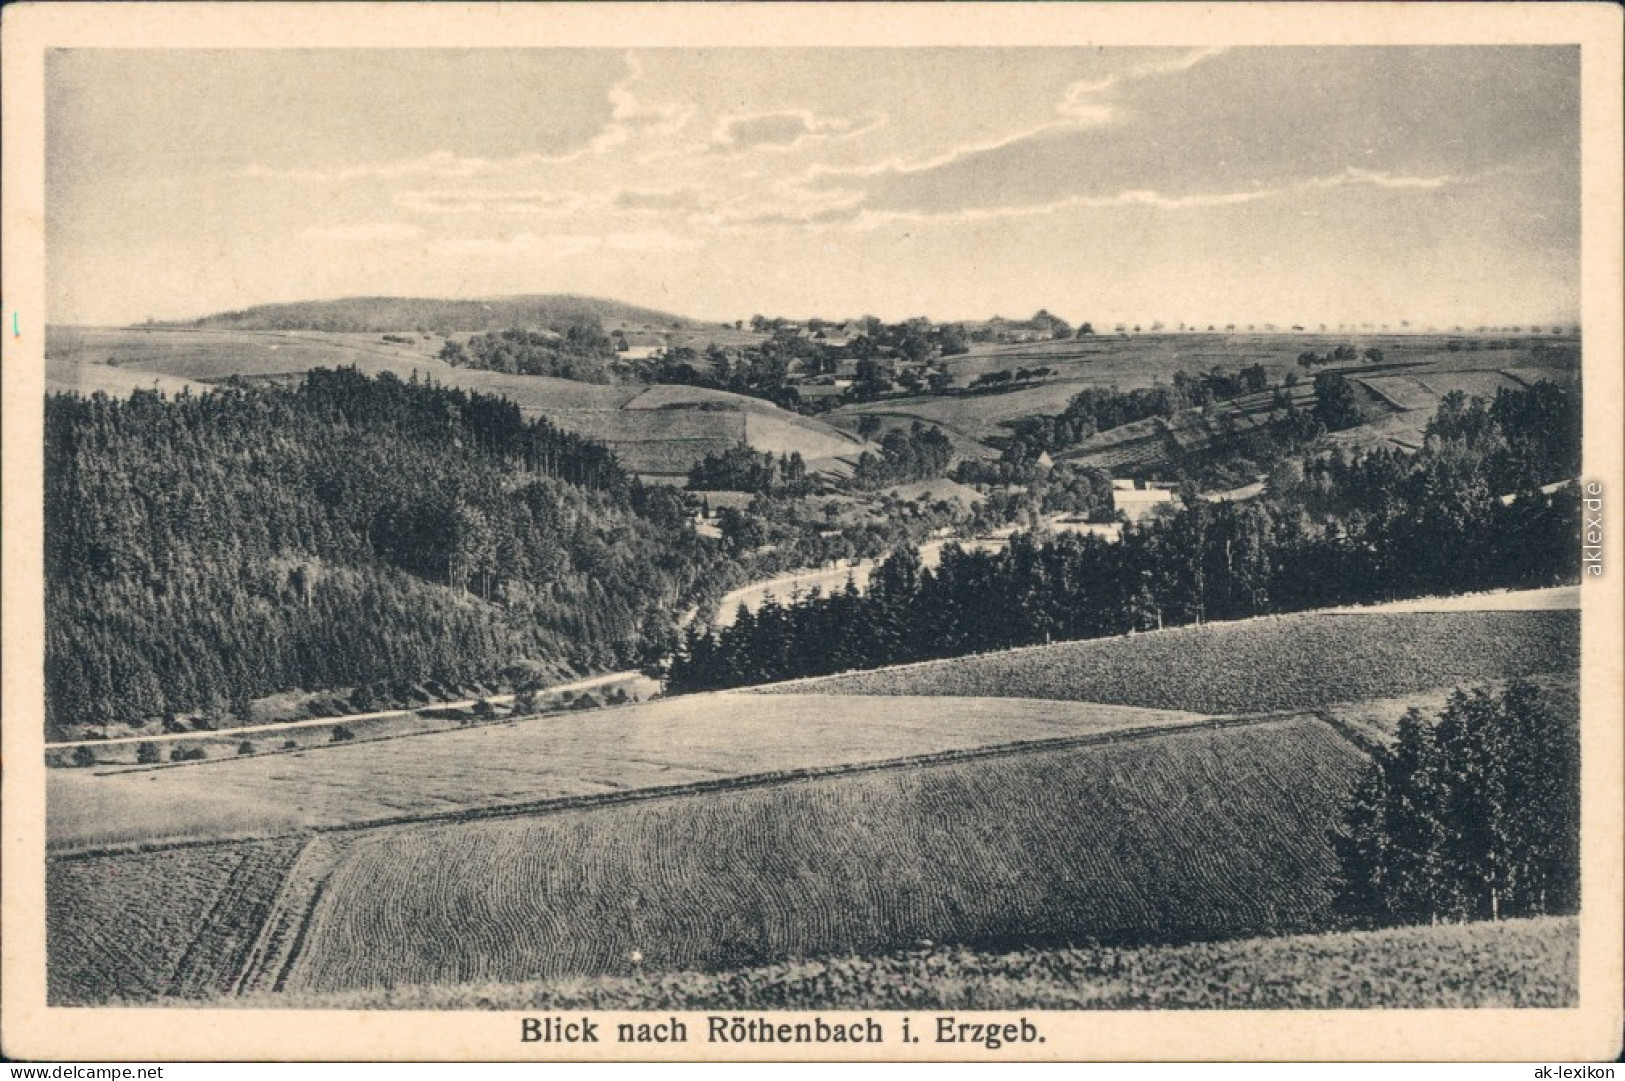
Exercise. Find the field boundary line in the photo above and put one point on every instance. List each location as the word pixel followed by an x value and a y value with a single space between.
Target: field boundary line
pixel 775 778
pixel 281 932
pixel 767 779
pixel 1361 741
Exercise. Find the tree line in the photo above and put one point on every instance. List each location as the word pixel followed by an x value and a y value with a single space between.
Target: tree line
pixel 1366 529
pixel 207 549
pixel 1472 815
pixel 1099 409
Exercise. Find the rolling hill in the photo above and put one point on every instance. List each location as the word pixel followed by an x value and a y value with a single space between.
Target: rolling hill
pixel 437 316
pixel 1399 395
pixel 658 432
pixel 733 830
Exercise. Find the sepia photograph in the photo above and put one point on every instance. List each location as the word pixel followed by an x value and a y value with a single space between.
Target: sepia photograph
pixel 746 543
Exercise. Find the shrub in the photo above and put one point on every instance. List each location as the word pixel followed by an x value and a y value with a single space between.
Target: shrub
pixel 245 747
pixel 146 754
pixel 84 756
pixel 342 734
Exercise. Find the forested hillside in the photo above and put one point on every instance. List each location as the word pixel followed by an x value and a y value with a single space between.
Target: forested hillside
pixel 439 316
pixel 204 550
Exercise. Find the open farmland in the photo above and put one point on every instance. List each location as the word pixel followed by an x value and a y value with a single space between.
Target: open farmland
pixel 1273 663
pixel 208 355
pixel 1516 964
pixel 1402 392
pixel 658 432
pixel 176 923
pixel 684 741
pixel 1115 842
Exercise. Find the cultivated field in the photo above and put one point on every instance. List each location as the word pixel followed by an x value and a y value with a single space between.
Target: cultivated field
pixel 1416 372
pixel 1087 804
pixel 177 923
pixel 1511 964
pixel 1184 835
pixel 1274 663
pixel 692 740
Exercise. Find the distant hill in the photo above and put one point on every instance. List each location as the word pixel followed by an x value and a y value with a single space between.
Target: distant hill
pixel 429 316
pixel 658 432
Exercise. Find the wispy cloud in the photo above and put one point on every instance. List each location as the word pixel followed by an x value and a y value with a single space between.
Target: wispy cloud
pixel 785 129
pixel 850 213
pixel 530 202
pixel 365 233
pixel 632 117
pixel 529 245
pixel 441 163
pixel 1078 93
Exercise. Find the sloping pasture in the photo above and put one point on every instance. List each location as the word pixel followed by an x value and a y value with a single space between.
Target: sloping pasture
pixel 1183 835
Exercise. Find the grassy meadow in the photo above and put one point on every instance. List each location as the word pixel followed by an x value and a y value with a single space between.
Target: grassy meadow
pixel 1116 842
pixel 682 741
pixel 1514 964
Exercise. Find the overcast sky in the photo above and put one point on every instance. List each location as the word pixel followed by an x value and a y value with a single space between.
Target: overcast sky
pixel 1436 185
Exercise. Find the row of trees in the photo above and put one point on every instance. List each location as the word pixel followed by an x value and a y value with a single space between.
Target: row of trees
pixel 1364 530
pixel 204 550
pixel 1343 354
pixel 1099 409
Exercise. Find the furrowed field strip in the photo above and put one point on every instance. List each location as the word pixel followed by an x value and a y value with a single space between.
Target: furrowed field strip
pixel 154 924
pixel 1290 662
pixel 282 930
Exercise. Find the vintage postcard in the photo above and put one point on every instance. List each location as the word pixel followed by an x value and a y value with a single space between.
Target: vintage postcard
pixel 960 532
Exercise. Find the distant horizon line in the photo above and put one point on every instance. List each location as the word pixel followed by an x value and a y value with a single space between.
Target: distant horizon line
pixel 1103 326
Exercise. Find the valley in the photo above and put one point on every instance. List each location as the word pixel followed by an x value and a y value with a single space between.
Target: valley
pixel 1134 617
